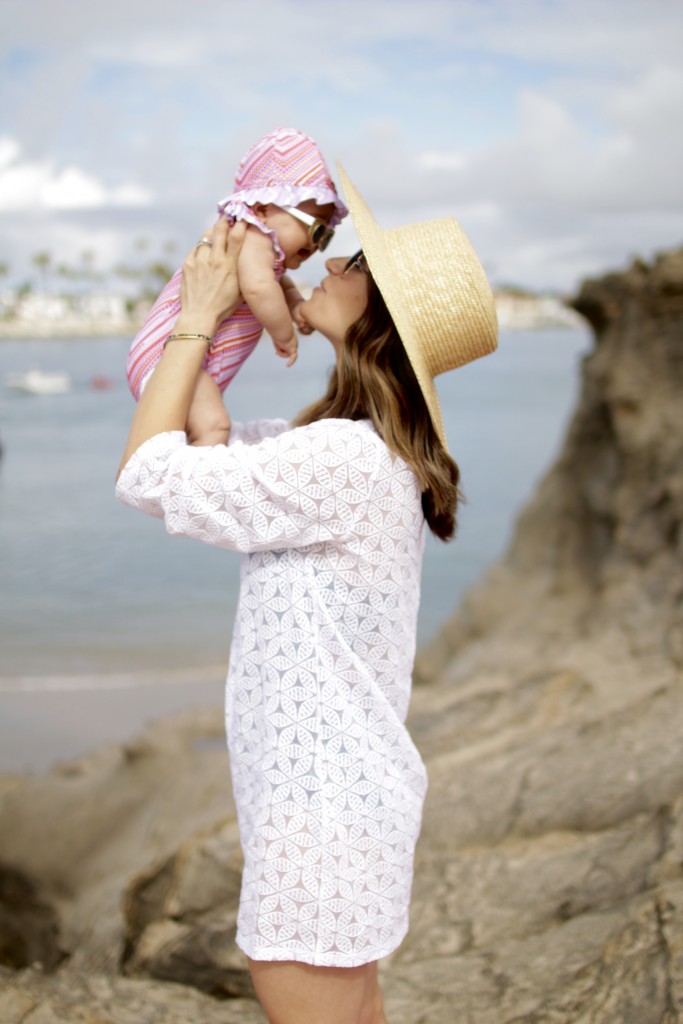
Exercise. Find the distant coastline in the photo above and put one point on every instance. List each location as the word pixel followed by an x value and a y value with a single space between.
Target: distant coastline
pixel 51 316
pixel 21 330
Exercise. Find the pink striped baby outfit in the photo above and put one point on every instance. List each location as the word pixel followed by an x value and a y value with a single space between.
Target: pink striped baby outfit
pixel 286 168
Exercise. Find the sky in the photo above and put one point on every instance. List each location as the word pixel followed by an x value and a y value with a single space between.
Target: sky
pixel 551 129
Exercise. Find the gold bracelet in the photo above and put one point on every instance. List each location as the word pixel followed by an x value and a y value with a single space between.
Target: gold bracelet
pixel 196 337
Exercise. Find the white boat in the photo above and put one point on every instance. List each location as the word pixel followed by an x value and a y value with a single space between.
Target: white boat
pixel 40 382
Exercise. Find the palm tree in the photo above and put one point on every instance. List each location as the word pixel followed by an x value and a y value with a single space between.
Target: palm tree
pixel 42 261
pixel 66 271
pixel 88 261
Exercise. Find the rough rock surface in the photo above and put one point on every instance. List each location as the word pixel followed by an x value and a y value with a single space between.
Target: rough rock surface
pixel 549 876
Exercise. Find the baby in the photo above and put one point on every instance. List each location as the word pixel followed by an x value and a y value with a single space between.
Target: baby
pixel 284 192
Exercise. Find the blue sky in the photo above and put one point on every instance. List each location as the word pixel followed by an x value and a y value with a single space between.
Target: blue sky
pixel 552 129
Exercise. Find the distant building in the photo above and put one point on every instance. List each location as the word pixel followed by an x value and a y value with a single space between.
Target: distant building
pixel 42 314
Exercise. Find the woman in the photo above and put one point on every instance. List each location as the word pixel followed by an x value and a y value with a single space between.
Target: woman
pixel 330 513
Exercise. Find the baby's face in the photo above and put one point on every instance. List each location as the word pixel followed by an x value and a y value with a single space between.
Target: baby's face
pixel 293 236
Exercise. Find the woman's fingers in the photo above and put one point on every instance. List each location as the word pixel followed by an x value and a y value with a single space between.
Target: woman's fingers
pixel 223 238
pixel 202 243
pixel 236 236
pixel 205 240
pixel 210 286
pixel 219 235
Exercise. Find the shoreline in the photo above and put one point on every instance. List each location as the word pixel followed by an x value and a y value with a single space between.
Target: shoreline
pixel 514 314
pixel 41 728
pixel 59 331
pixel 99 679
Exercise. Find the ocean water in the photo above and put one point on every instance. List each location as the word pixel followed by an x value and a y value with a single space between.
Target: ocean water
pixel 91 590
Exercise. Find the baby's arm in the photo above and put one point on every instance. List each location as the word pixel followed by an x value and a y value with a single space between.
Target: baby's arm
pixel 264 294
pixel 294 298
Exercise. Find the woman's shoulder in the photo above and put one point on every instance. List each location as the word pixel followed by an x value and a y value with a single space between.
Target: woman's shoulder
pixel 342 430
pixel 356 438
pixel 329 441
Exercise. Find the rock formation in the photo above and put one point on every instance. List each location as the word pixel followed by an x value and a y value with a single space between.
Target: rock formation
pixel 553 715
pixel 549 877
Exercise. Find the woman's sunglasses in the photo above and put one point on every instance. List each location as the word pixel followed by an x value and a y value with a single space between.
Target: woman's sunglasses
pixel 318 232
pixel 357 261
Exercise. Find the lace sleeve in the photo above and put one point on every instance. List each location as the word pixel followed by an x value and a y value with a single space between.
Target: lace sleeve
pixel 302 487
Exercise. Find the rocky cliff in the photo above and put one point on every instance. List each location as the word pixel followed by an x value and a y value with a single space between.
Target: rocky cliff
pixel 549 877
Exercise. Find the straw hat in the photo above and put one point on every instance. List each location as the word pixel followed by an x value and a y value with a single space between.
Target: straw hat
pixel 435 289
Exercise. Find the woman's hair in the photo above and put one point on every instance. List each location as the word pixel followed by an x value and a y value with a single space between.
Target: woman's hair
pixel 373 379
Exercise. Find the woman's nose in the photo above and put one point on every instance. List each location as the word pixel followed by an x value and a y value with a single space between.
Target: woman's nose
pixel 335 264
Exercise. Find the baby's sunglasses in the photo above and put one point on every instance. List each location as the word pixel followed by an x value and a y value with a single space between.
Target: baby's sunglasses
pixel 318 232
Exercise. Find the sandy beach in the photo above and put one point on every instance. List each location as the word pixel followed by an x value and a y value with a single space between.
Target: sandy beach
pixel 42 727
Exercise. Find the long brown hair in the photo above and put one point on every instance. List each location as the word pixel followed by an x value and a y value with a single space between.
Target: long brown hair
pixel 373 379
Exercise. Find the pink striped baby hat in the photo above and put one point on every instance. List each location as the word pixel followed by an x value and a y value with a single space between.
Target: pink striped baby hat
pixel 286 168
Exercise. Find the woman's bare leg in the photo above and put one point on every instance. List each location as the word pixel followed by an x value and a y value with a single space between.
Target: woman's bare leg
pixel 296 993
pixel 373 1005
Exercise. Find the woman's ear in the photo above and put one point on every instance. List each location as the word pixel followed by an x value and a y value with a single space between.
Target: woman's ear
pixel 260 211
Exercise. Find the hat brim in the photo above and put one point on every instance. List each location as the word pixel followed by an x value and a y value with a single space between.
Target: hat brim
pixel 435 289
pixel 378 253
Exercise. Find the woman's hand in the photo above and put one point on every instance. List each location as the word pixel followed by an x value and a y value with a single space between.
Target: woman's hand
pixel 210 286
pixel 210 292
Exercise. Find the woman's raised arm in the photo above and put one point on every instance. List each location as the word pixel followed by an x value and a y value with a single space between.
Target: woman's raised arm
pixel 210 292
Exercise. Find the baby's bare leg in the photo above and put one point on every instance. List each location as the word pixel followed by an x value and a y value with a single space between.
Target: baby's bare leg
pixel 208 421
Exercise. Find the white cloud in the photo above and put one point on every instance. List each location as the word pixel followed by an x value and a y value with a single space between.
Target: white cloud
pixel 38 184
pixel 433 161
pixel 607 33
pixel 549 157
pixel 625 35
pixel 549 127
pixel 651 104
pixel 72 189
pixel 9 151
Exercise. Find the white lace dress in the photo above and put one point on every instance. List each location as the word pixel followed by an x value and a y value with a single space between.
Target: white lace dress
pixel 328 784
